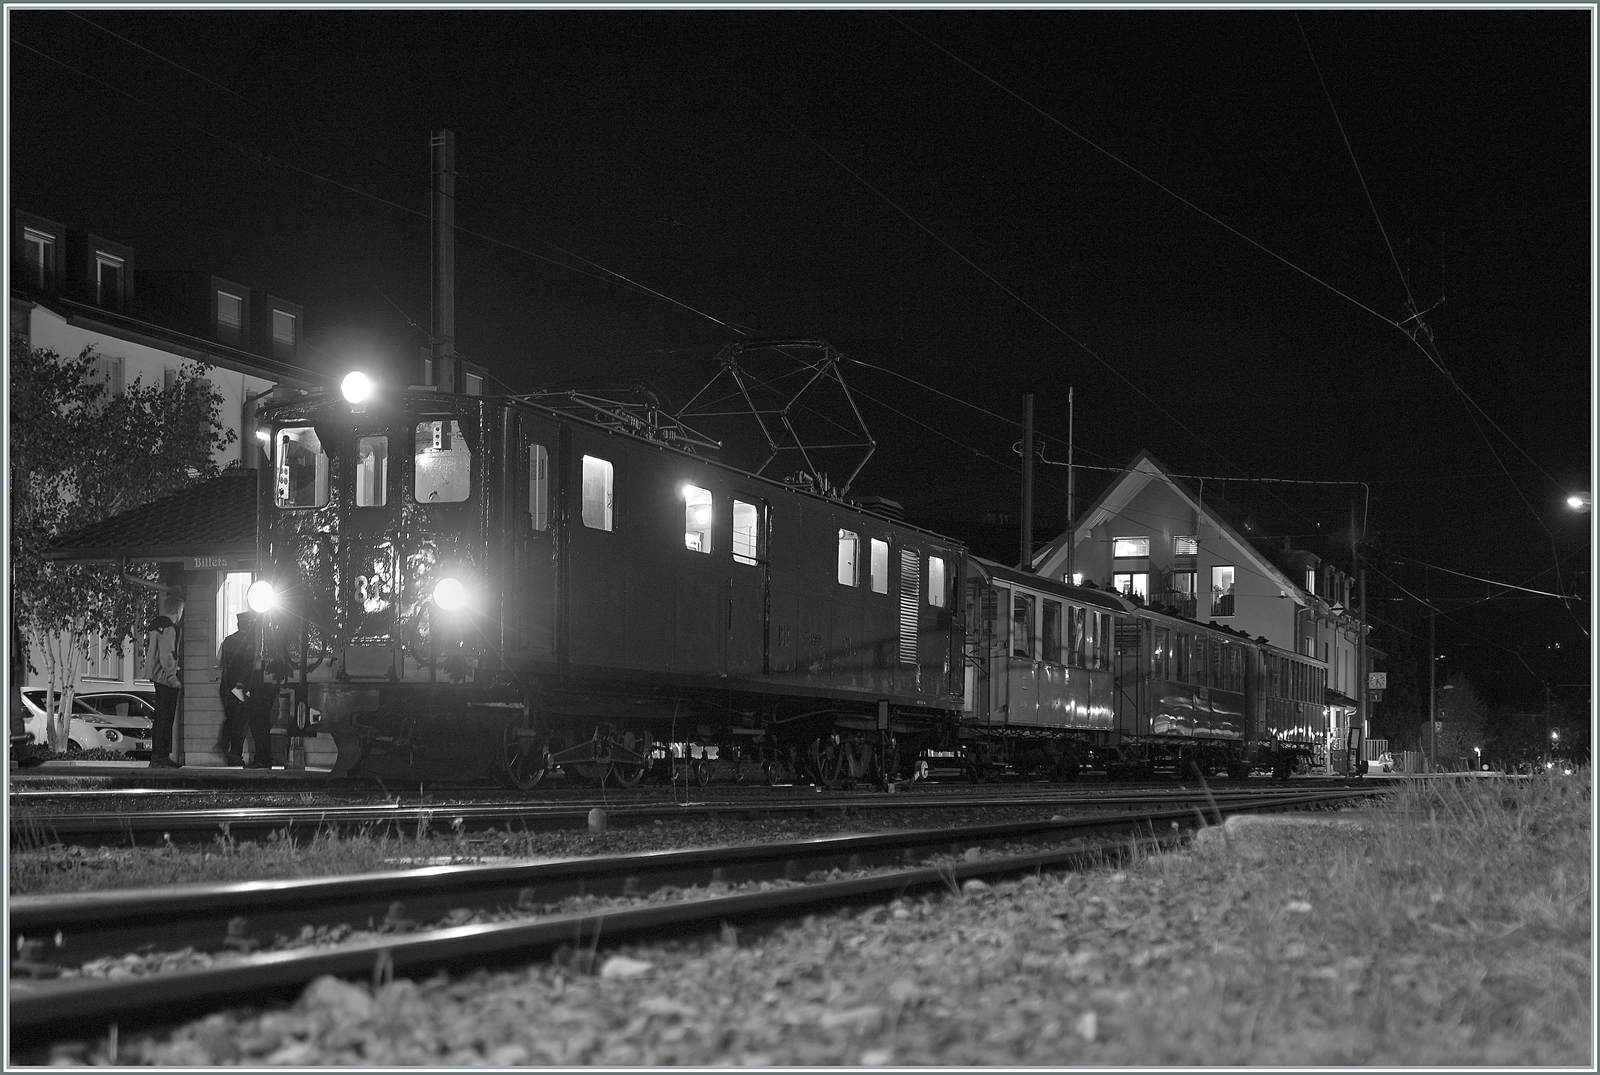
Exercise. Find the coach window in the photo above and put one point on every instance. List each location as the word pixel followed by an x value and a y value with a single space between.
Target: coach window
pixel 938 582
pixel 302 473
pixel 1022 629
pixel 1050 631
pixel 538 487
pixel 697 518
pixel 1075 640
pixel 597 498
pixel 849 553
pixel 880 565
pixel 1162 653
pixel 372 472
pixel 443 463
pixel 746 532
pixel 1105 640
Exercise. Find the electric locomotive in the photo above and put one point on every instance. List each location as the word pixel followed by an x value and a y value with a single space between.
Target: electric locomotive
pixel 467 584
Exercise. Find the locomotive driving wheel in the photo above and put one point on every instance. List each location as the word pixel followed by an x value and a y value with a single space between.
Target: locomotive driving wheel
pixel 522 760
pixel 826 760
pixel 628 774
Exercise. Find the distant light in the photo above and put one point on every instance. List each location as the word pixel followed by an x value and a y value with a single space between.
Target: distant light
pixel 261 595
pixel 1579 502
pixel 450 595
pixel 264 436
pixel 356 387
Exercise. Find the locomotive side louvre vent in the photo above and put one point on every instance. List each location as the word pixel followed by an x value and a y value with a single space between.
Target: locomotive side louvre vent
pixel 910 591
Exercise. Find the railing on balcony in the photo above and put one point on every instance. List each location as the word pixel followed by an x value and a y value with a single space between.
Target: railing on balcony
pixel 1183 603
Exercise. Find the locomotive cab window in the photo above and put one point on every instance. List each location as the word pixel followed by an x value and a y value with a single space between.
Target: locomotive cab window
pixel 443 463
pixel 698 516
pixel 849 553
pixel 880 565
pixel 746 532
pixel 597 498
pixel 372 472
pixel 538 487
pixel 938 587
pixel 302 469
pixel 1022 630
pixel 1050 633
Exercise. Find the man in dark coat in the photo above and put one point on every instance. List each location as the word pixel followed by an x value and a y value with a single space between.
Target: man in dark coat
pixel 161 669
pixel 247 698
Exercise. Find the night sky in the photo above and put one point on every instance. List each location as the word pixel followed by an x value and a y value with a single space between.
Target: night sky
pixel 972 200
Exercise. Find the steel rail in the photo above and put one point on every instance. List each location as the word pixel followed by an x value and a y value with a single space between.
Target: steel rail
pixel 204 825
pixel 197 915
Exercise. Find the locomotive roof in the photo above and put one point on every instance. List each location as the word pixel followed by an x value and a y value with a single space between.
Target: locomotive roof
pixel 426 400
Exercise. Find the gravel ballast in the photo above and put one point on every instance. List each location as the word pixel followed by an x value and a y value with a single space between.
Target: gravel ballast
pixel 1234 951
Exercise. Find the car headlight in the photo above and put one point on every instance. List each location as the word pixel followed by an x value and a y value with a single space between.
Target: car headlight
pixel 262 596
pixel 450 595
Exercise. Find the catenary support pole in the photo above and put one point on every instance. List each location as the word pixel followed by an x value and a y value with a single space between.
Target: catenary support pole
pixel 1025 563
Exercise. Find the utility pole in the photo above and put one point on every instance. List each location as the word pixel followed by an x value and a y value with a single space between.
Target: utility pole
pixel 1072 506
pixel 1026 563
pixel 447 372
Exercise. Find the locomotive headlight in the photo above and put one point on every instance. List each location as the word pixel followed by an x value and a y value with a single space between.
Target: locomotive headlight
pixel 450 595
pixel 261 595
pixel 356 387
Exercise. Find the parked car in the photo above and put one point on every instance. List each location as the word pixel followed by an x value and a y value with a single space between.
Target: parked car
pixel 113 720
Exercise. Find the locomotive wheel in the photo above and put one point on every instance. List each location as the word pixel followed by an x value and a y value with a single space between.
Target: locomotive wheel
pixel 702 771
pixel 626 774
pixel 522 761
pixel 826 762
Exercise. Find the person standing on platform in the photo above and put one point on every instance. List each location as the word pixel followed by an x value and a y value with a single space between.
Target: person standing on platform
pixel 161 669
pixel 238 660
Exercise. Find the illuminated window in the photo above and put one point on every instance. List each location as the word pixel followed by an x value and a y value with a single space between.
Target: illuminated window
pixel 938 586
pixel 849 552
pixel 697 518
pixel 1311 581
pixel 539 487
pixel 1222 590
pixel 746 532
pixel 443 463
pixel 880 565
pixel 1185 545
pixel 372 472
pixel 232 599
pixel 1124 547
pixel 302 469
pixel 597 499
pixel 1132 584
pixel 39 255
pixel 230 317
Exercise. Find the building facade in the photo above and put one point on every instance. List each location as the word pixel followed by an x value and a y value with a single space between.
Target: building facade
pixel 1154 537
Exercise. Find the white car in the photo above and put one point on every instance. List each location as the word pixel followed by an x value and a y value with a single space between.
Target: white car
pixel 113 720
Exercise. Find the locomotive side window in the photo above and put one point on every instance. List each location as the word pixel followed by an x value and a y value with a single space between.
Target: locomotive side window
pixel 1050 632
pixel 938 586
pixel 372 472
pixel 880 565
pixel 1104 639
pixel 1162 653
pixel 1022 630
pixel 697 519
pixel 539 487
pixel 443 463
pixel 849 552
pixel 302 479
pixel 597 498
pixel 746 532
pixel 1076 642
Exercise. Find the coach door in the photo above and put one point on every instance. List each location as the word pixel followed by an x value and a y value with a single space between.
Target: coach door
pixel 533 528
pixel 749 652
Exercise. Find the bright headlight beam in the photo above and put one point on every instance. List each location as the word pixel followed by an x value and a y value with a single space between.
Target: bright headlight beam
pixel 450 595
pixel 261 595
pixel 356 386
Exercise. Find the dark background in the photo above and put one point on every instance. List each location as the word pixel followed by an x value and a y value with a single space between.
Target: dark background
pixel 815 174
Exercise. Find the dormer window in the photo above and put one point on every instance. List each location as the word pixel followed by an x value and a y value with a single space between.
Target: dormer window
pixel 39 257
pixel 230 317
pixel 1311 580
pixel 284 327
pixel 108 277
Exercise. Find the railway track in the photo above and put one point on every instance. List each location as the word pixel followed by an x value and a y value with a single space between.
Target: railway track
pixel 500 907
pixel 189 826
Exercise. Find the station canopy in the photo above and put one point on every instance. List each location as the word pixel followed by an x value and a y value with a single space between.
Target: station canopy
pixel 209 526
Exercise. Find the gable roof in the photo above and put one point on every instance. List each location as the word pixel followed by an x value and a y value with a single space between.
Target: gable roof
pixel 216 517
pixel 1143 470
